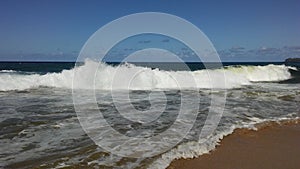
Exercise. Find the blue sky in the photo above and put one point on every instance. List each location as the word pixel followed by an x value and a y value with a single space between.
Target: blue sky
pixel 240 30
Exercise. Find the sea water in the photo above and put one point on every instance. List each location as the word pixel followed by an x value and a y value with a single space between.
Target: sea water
pixel 39 126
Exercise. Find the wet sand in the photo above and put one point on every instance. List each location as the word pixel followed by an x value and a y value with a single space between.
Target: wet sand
pixel 272 146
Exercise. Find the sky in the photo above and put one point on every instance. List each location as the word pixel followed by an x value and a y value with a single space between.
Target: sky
pixel 56 30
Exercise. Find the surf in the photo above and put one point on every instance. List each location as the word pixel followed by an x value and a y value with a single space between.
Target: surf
pixel 146 79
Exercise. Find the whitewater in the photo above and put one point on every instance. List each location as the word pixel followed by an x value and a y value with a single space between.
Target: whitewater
pixel 144 79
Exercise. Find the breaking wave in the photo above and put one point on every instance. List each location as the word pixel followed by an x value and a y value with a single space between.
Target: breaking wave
pixel 145 78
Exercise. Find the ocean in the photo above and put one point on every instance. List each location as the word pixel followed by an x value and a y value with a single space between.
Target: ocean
pixel 41 128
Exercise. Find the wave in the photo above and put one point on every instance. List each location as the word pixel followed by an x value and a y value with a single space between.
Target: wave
pixel 144 78
pixel 7 71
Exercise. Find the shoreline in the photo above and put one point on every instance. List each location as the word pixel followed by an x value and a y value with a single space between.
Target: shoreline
pixel 275 145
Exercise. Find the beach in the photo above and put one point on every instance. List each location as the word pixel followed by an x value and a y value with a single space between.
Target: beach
pixel 273 146
pixel 149 84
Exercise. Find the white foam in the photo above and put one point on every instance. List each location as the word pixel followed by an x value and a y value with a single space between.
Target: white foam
pixel 189 150
pixel 145 78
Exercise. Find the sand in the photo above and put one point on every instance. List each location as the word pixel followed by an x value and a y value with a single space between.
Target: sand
pixel 273 146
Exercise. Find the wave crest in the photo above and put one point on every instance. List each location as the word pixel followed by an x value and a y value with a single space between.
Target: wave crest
pixel 148 79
